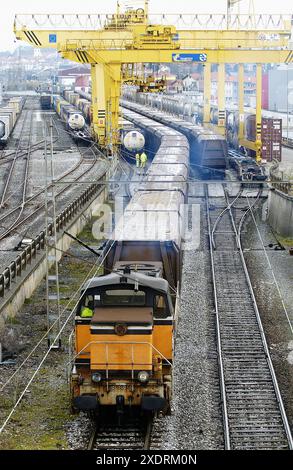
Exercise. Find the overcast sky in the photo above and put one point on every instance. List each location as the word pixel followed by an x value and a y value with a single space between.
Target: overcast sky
pixel 10 7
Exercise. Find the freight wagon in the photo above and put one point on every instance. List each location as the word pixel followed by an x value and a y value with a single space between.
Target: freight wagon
pixel 45 101
pixel 71 116
pixel 9 114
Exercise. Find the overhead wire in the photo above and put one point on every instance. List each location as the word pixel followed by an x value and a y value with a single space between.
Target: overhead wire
pixel 56 321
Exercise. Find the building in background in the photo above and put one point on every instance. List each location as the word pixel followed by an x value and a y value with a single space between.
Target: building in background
pixel 280 89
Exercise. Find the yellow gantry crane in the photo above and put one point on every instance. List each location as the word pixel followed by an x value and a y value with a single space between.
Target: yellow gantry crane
pixel 110 42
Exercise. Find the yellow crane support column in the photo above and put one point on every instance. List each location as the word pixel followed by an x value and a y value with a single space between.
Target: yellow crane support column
pixel 258 142
pixel 113 75
pixel 241 101
pixel 207 93
pixel 98 102
pixel 106 83
pixel 221 99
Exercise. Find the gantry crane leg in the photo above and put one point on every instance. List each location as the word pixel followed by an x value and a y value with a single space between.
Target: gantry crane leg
pixel 98 102
pixel 241 101
pixel 258 143
pixel 221 99
pixel 207 93
pixel 106 83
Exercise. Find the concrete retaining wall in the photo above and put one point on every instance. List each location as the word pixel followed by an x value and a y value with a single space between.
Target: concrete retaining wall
pixel 33 277
pixel 280 214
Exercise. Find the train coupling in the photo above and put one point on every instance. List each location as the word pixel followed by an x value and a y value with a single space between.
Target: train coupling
pixel 120 402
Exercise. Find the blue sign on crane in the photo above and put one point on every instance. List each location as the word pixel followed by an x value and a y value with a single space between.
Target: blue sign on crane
pixel 189 57
pixel 52 38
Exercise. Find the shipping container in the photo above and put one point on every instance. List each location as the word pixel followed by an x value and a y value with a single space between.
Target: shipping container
pixel 271 151
pixel 74 98
pixel 12 111
pixel 271 136
pixel 60 104
pixel 17 103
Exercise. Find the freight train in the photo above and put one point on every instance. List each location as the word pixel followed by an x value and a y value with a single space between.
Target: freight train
pixel 125 319
pixel 9 113
pixel 83 103
pixel 208 151
pixel 72 117
pixel 188 108
pixel 131 138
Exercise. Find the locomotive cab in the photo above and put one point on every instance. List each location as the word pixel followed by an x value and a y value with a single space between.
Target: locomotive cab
pixel 123 328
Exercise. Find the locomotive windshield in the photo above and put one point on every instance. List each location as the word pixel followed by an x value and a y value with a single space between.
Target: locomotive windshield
pixel 125 297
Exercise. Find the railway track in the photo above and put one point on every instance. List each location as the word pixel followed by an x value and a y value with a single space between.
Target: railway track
pixel 87 161
pixel 16 164
pixel 134 434
pixel 18 223
pixel 253 413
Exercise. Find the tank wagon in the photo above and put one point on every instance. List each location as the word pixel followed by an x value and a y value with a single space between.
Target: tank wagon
pixel 124 351
pixel 73 118
pixel 132 139
pixel 208 151
pixel 9 113
pixel 80 100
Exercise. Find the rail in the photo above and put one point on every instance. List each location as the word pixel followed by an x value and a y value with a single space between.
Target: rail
pixel 261 329
pixel 16 267
pixel 132 433
pixel 259 42
pixel 206 21
pixel 253 416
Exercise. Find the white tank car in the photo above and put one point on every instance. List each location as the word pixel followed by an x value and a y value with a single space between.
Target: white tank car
pixel 76 121
pixel 133 141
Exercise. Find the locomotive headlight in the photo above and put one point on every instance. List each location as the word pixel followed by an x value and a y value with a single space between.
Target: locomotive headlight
pixel 96 377
pixel 143 376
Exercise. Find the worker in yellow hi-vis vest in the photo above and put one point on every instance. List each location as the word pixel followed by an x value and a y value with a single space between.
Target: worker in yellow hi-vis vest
pixel 137 159
pixel 86 312
pixel 143 160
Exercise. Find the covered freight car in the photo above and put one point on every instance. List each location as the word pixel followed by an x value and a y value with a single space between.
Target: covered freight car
pixel 8 117
pixel 45 101
pixel 125 319
pixel 208 151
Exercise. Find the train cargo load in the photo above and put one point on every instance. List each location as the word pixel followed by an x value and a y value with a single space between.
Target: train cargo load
pixel 45 101
pixel 134 141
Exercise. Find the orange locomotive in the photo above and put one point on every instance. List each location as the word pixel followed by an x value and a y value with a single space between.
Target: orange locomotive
pixel 125 348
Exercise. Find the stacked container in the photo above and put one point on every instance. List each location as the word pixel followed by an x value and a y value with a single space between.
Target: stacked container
pixel 271 136
pixel 17 103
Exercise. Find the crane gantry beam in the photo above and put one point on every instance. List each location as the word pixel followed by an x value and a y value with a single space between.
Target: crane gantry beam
pixel 131 38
